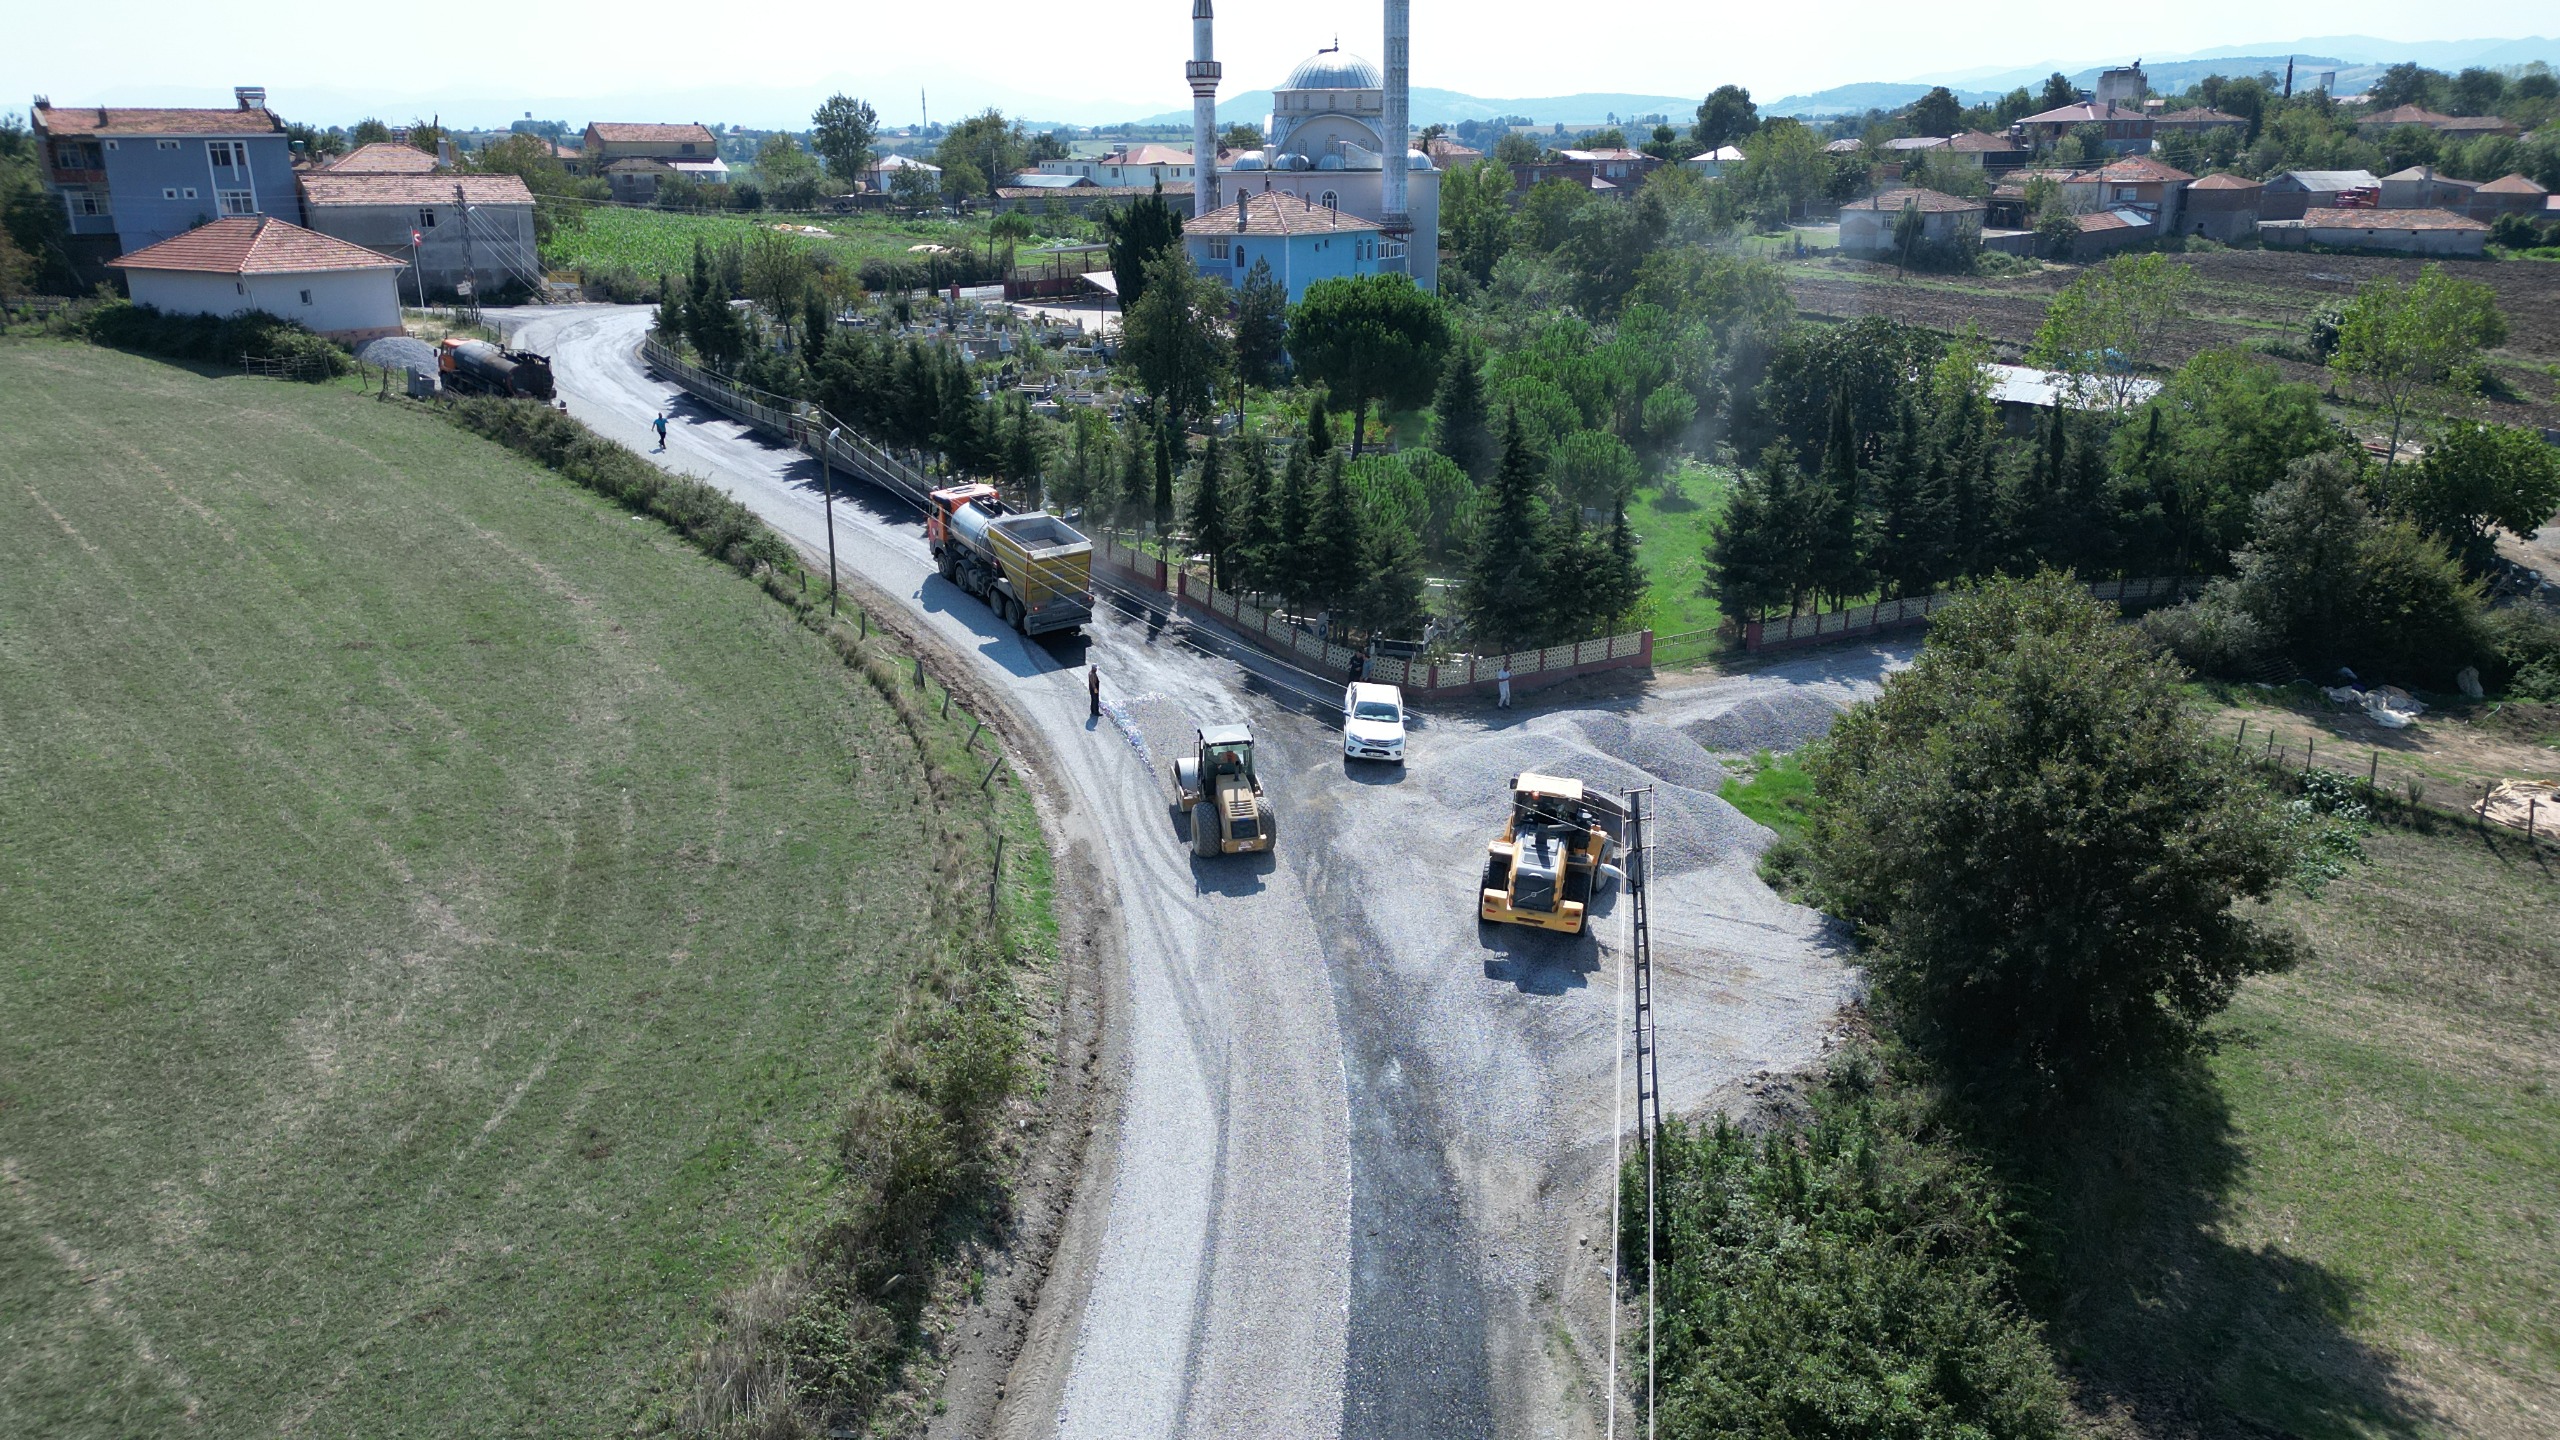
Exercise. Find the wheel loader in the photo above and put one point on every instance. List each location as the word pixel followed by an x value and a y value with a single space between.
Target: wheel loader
pixel 1216 783
pixel 1556 848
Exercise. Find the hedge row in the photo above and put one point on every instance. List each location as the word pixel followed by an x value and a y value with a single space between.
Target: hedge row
pixel 217 340
pixel 719 525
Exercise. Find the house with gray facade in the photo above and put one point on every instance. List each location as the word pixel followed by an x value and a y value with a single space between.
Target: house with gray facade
pixel 450 230
pixel 128 178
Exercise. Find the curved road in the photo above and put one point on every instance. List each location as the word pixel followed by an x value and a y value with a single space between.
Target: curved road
pixel 1358 1181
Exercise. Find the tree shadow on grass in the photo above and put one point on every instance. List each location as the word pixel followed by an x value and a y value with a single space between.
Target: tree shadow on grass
pixel 2158 1318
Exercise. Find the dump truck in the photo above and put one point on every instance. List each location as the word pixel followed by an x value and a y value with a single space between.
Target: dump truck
pixel 1031 567
pixel 1554 851
pixel 1216 783
pixel 479 367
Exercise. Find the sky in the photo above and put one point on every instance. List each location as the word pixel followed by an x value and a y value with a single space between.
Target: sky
pixel 1082 64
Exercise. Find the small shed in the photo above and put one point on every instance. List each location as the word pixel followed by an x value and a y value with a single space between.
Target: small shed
pixel 2222 207
pixel 1866 226
pixel 2296 193
pixel 256 262
pixel 2398 232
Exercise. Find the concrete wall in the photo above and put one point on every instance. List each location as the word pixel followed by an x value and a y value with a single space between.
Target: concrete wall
pixel 1870 232
pixel 343 304
pixel 501 240
pixel 160 188
pixel 2296 234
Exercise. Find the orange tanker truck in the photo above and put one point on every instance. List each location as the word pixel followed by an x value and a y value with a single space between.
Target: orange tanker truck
pixel 1031 567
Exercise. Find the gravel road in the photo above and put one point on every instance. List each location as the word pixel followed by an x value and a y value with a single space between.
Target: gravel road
pixel 1356 1183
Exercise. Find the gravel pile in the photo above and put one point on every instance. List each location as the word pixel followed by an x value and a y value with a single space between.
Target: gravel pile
pixel 398 352
pixel 1670 756
pixel 1780 721
pixel 1693 829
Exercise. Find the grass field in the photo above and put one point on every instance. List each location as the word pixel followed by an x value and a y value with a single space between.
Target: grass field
pixel 2345 1220
pixel 445 916
pixel 659 242
pixel 1674 551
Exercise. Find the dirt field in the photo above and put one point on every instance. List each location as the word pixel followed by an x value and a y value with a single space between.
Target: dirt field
pixel 2241 297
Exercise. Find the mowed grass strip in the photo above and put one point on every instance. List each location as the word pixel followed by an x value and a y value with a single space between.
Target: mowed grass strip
pixel 443 915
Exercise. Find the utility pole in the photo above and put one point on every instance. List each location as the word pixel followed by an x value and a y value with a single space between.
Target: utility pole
pixel 470 272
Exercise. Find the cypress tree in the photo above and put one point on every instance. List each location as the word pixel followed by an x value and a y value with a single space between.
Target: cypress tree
pixel 1896 553
pixel 1211 533
pixel 1388 599
pixel 1334 547
pixel 1460 407
pixel 1744 545
pixel 1319 429
pixel 1836 569
pixel 1134 480
pixel 1623 583
pixel 1506 583
pixel 1257 523
pixel 1289 555
pixel 1163 507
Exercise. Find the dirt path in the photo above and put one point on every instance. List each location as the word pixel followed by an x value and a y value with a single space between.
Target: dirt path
pixel 1355 1177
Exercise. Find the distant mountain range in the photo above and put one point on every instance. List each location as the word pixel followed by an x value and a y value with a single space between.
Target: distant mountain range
pixel 2356 59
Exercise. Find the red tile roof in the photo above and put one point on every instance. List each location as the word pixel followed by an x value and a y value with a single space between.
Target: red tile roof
pixel 328 187
pixel 2512 185
pixel 2139 170
pixel 2201 117
pixel 1930 202
pixel 1981 142
pixel 107 120
pixel 2363 219
pixel 2081 114
pixel 253 245
pixel 383 158
pixel 2405 115
pixel 2226 181
pixel 1268 213
pixel 629 133
pixel 1146 155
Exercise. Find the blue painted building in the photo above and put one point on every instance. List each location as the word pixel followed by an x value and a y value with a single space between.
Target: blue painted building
pixel 127 178
pixel 1303 241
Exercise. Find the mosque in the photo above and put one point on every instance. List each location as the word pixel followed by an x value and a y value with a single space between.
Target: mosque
pixel 1324 147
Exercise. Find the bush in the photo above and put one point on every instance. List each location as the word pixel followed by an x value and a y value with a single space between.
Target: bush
pixel 1842 1276
pixel 618 285
pixel 2212 634
pixel 2527 641
pixel 217 340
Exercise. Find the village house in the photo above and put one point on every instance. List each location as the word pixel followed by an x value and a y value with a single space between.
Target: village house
pixel 127 178
pixel 2221 207
pixel 1145 165
pixel 383 157
pixel 2122 131
pixel 2398 232
pixel 1985 151
pixel 1867 226
pixel 883 174
pixel 2202 120
pixel 231 267
pixel 2137 183
pixel 2397 116
pixel 458 234
pixel 1302 241
pixel 2420 188
pixel 2509 195
pixel 2295 193
pixel 636 158
pixel 1714 163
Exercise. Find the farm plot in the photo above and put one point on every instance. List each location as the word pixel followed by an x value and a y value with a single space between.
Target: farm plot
pixel 650 243
pixel 446 917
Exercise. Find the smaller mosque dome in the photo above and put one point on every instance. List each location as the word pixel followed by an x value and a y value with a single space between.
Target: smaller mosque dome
pixel 1416 160
pixel 1248 162
pixel 1329 162
pixel 1334 69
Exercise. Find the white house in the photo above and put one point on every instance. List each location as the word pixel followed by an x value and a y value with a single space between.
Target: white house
pixel 1714 163
pixel 1302 241
pixel 255 262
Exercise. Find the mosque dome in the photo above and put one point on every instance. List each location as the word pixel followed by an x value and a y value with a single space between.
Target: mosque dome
pixel 1334 69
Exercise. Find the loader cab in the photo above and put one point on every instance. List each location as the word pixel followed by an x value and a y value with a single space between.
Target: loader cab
pixel 1217 785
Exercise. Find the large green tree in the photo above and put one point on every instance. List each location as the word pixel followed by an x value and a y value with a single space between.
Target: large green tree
pixel 2109 323
pixel 843 130
pixel 2478 480
pixel 1505 593
pixel 2046 852
pixel 1475 217
pixel 1461 424
pixel 987 145
pixel 2405 344
pixel 1173 340
pixel 1262 327
pixel 1370 339
pixel 1725 117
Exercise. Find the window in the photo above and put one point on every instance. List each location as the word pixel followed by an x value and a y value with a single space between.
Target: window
pixel 168 192
pixel 168 144
pixel 227 154
pixel 306 297
pixel 111 144
pixel 688 147
pixel 85 202
pixel 1217 248
pixel 426 219
pixel 1330 201
pixel 237 202
pixel 189 192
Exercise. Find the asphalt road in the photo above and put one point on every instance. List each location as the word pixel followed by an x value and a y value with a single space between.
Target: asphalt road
pixel 1358 1181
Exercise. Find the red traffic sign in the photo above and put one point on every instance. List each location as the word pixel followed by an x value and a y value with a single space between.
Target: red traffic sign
pixel 416 239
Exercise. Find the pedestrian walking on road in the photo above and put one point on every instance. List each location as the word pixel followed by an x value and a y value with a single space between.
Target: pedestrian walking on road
pixel 1359 665
pixel 661 423
pixel 1093 689
pixel 1502 687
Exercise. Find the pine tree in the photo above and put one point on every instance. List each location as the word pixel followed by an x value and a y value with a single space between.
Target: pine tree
pixel 1135 480
pixel 1837 570
pixel 1319 429
pixel 1460 408
pixel 1622 583
pixel 1572 577
pixel 1747 565
pixel 1258 526
pixel 815 324
pixel 1262 327
pixel 1211 532
pixel 1388 599
pixel 1506 583
pixel 1163 507
pixel 669 326
pixel 1334 544
pixel 1896 553
pixel 1288 557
